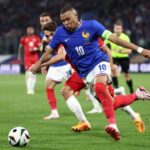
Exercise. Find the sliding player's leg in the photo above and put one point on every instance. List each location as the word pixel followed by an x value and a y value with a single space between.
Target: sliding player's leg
pixel 73 84
pixel 96 105
pixel 137 120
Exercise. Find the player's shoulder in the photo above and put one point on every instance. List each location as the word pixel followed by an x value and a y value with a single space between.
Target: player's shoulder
pixel 125 36
pixel 36 36
pixel 90 22
pixel 41 34
pixel 93 23
pixel 23 38
pixel 60 28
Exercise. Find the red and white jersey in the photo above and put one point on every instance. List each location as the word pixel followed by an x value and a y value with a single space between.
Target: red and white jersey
pixel 30 43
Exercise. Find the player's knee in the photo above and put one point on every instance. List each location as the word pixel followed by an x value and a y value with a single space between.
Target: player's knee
pixel 115 70
pixel 99 88
pixel 66 92
pixel 50 84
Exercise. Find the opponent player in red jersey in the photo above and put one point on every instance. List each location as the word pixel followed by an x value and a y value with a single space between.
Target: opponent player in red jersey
pixel 57 72
pixel 31 44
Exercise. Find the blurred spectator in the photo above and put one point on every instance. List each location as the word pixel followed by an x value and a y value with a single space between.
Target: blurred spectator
pixel 16 15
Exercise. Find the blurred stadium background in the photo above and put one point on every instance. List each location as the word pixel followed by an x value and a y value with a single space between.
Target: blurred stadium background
pixel 16 15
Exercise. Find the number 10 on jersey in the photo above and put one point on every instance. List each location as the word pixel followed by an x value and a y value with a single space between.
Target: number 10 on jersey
pixel 80 50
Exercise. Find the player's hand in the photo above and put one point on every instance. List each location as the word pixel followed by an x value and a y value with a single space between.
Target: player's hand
pixel 34 68
pixel 146 53
pixel 43 70
pixel 35 49
pixel 19 60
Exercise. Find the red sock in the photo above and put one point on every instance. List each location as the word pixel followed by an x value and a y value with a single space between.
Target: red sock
pixel 124 100
pixel 51 98
pixel 106 101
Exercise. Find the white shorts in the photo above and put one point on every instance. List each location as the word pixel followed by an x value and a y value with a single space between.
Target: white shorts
pixel 103 68
pixel 59 73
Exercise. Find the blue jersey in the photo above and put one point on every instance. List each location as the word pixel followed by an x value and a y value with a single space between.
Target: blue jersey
pixel 59 63
pixel 81 45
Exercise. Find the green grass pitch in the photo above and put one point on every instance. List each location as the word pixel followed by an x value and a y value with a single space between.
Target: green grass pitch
pixel 19 109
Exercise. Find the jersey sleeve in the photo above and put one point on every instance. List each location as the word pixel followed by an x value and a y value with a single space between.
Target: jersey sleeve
pixel 98 28
pixel 22 40
pixel 55 40
pixel 41 35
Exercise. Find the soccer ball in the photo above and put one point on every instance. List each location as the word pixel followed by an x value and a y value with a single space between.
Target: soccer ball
pixel 18 136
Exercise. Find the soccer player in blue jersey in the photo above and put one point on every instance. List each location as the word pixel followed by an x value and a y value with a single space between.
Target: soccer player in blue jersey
pixel 80 39
pixel 57 72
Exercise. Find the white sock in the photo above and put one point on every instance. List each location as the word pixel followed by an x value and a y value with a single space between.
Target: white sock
pixel 130 111
pixel 75 107
pixel 120 91
pixel 114 126
pixel 94 101
pixel 31 81
pixel 54 111
pixel 28 85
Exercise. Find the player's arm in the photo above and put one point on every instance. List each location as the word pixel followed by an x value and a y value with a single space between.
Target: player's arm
pixel 108 35
pixel 125 51
pixel 20 47
pixel 44 43
pixel 106 49
pixel 60 56
pixel 45 56
pixel 38 44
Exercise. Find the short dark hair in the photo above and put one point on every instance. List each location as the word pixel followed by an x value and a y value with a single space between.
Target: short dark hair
pixel 50 26
pixel 119 23
pixel 66 8
pixel 44 14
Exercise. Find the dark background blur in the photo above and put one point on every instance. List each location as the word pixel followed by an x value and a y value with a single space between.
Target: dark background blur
pixel 16 15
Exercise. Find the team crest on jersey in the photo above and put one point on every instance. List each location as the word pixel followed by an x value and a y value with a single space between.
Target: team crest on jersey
pixel 86 36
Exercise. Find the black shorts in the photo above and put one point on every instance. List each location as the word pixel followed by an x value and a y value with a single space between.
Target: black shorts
pixel 123 62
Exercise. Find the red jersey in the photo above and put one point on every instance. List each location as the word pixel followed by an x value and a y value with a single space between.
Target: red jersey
pixel 30 44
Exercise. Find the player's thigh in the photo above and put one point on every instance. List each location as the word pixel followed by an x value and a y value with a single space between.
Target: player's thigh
pixel 75 82
pixel 101 79
pixel 50 83
pixel 115 70
pixel 67 92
